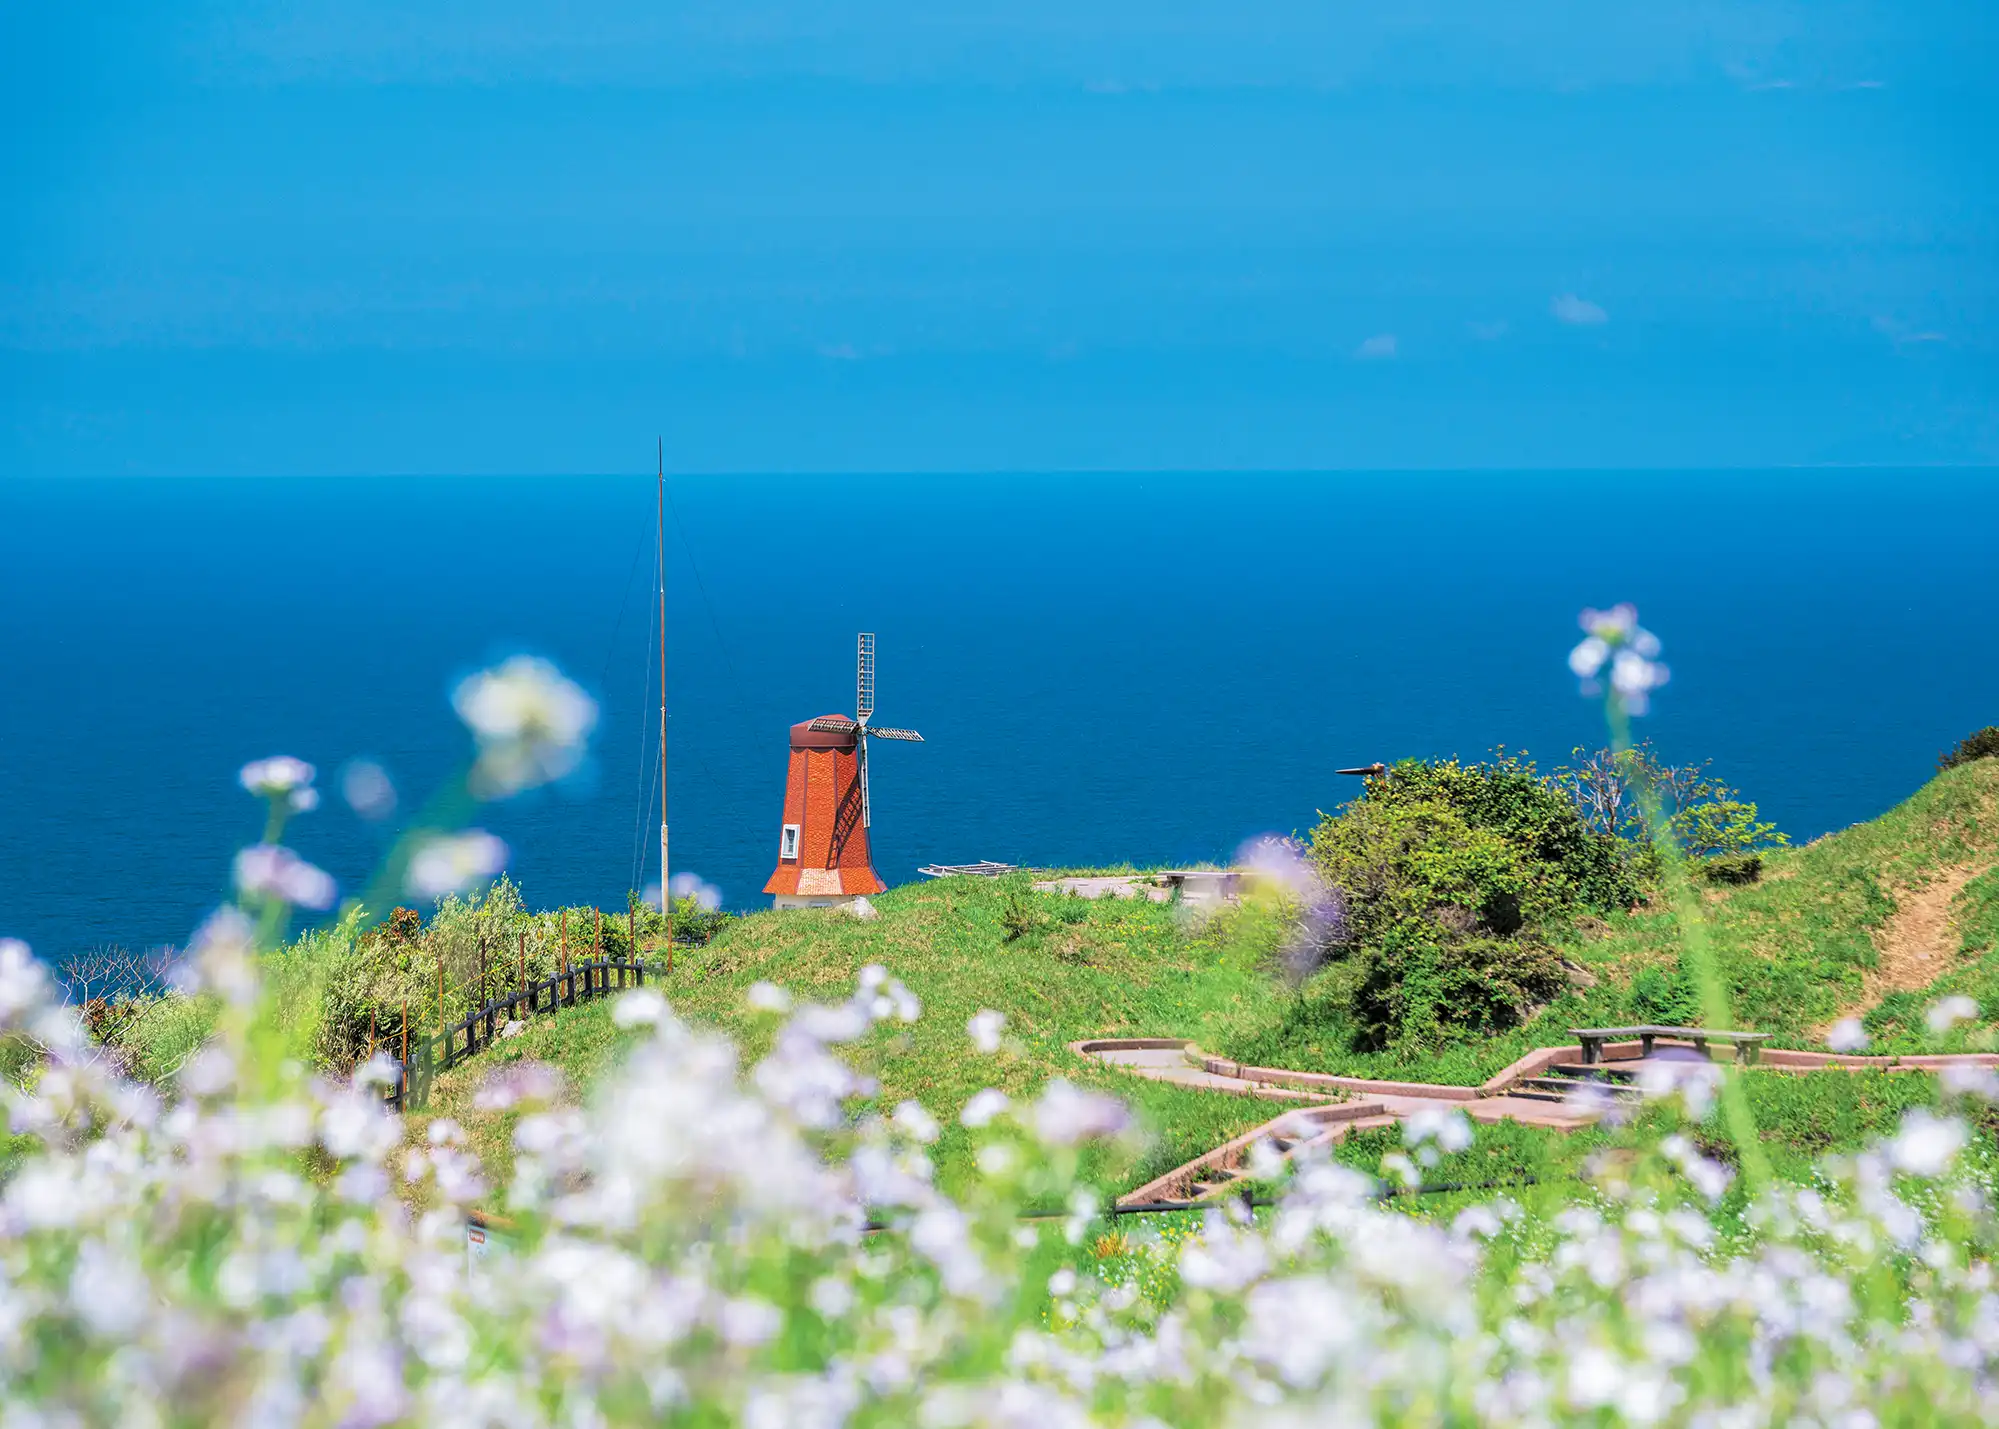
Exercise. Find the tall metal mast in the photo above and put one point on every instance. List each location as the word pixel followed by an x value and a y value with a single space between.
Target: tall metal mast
pixel 665 897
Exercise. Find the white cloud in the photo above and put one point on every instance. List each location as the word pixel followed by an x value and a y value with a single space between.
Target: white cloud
pixel 1488 332
pixel 1380 346
pixel 1577 312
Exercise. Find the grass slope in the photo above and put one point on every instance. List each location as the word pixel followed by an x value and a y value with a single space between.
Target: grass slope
pixel 1795 947
pixel 1080 969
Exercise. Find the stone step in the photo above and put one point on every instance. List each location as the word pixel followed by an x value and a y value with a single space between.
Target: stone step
pixel 1561 1088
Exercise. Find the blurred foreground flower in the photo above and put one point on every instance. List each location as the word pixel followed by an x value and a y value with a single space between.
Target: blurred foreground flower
pixel 986 1028
pixel 1066 1114
pixel 276 777
pixel 273 871
pixel 1615 637
pixel 1317 911
pixel 1847 1035
pixel 365 786
pixel 453 863
pixel 1948 1012
pixel 696 1245
pixel 531 723
pixel 707 897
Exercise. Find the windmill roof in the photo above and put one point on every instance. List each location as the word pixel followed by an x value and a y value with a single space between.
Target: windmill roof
pixel 804 736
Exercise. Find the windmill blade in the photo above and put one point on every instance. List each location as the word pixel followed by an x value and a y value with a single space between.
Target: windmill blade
pixel 885 732
pixel 864 678
pixel 832 724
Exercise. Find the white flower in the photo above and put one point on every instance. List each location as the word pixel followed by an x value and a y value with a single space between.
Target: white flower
pixel 986 1028
pixel 1066 1114
pixel 272 871
pixel 984 1106
pixel 23 984
pixel 1847 1035
pixel 303 801
pixel 1447 1126
pixel 1950 1011
pixel 366 788
pixel 768 997
pixel 641 1007
pixel 532 725
pixel 707 897
pixel 276 777
pixel 1588 657
pixel 919 1124
pixel 1615 636
pixel 1960 1079
pixel 1927 1143
pixel 450 863
pixel 223 955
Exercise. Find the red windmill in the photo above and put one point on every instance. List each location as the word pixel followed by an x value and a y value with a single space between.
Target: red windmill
pixel 822 850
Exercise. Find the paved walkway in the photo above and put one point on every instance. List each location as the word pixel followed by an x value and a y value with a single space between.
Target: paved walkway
pixel 1166 1059
pixel 1129 885
pixel 1327 1108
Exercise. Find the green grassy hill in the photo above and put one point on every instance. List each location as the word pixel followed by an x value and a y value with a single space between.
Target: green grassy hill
pixel 1066 969
pixel 1800 948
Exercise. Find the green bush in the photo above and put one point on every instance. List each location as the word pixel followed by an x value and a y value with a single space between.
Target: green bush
pixel 1449 874
pixel 1665 998
pixel 1733 868
pixel 1979 744
pixel 1570 867
pixel 1423 983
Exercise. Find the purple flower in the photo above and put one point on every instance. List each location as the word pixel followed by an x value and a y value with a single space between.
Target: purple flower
pixel 1615 637
pixel 271 871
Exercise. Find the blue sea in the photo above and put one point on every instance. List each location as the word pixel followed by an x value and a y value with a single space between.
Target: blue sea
pixel 1144 669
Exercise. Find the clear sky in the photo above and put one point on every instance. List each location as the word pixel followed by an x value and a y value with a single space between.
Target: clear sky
pixel 488 236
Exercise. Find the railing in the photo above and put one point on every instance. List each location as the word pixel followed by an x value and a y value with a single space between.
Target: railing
pixel 481 1028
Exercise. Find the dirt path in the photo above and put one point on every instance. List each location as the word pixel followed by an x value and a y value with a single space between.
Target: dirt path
pixel 1919 942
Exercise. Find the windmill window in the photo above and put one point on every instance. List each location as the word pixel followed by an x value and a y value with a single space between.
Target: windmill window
pixel 788 845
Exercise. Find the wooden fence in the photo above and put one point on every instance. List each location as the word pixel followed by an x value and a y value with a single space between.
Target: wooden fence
pixel 481 1028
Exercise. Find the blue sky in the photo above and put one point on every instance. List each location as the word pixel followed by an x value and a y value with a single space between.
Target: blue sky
pixel 491 237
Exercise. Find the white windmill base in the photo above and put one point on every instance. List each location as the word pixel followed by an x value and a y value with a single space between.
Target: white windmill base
pixel 854 903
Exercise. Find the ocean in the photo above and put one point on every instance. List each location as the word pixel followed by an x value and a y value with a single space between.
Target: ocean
pixel 1106 669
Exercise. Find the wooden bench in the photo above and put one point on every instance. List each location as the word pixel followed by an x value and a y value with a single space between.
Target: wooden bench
pixel 1747 1045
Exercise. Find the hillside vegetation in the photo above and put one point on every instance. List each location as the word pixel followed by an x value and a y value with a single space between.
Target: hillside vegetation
pixel 1059 968
pixel 1802 946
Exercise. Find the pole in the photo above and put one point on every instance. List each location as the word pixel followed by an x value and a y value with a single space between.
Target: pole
pixel 597 948
pixel 524 959
pixel 665 870
pixel 440 991
pixel 562 931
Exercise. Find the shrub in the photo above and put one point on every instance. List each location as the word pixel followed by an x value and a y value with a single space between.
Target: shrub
pixel 1979 744
pixel 1448 872
pixel 1665 997
pixel 1425 983
pixel 1705 816
pixel 1572 868
pixel 1733 868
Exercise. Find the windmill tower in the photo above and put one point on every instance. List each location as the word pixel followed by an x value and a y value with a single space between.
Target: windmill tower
pixel 822 853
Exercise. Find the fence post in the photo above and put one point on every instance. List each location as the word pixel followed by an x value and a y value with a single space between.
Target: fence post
pixel 522 986
pixel 562 929
pixel 631 933
pixel 440 987
pixel 403 1072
